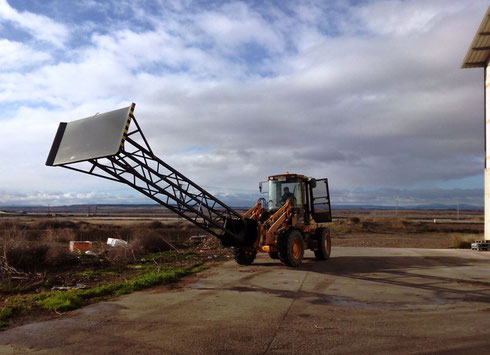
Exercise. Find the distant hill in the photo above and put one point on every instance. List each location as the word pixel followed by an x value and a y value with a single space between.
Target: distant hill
pixel 155 207
pixel 434 206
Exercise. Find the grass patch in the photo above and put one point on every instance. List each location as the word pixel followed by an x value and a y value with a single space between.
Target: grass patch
pixel 68 300
pixel 107 271
pixel 63 301
pixel 170 255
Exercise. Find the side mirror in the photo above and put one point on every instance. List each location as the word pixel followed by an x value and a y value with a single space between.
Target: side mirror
pixel 313 183
pixel 260 186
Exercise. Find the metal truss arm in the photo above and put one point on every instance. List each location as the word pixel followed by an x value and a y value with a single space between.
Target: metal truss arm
pixel 136 165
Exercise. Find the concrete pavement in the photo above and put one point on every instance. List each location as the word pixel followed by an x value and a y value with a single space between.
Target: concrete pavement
pixel 363 300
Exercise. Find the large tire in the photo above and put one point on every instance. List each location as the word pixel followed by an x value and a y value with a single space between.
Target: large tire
pixel 322 235
pixel 274 255
pixel 292 248
pixel 244 256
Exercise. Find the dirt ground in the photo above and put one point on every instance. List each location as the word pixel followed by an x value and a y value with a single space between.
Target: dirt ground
pixel 362 300
pixel 395 240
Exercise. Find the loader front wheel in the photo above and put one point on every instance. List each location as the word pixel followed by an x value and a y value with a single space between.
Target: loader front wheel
pixel 243 255
pixel 292 248
pixel 324 243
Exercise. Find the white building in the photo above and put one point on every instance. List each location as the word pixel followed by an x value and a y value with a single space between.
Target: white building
pixel 478 56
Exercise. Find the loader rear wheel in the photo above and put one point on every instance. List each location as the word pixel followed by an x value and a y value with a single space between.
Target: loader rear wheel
pixel 244 256
pixel 324 243
pixel 274 255
pixel 292 248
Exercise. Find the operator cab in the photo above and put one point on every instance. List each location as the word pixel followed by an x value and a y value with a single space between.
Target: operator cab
pixel 284 187
pixel 309 197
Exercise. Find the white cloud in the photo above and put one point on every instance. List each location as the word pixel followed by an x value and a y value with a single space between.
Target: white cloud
pixel 235 24
pixel 16 55
pixel 38 26
pixel 405 17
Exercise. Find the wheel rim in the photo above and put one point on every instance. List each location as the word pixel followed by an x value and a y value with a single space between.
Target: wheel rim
pixel 296 248
pixel 327 245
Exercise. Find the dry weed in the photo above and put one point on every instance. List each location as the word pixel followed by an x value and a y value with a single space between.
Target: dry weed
pixel 54 224
pixel 19 253
pixel 354 220
pixel 150 241
pixel 120 255
pixel 64 235
pixel 155 225
pixel 8 238
pixel 463 241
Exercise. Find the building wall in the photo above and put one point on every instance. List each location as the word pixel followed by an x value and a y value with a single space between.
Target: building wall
pixel 487 152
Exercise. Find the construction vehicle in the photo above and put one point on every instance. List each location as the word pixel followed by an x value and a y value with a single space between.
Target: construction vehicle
pixel 283 225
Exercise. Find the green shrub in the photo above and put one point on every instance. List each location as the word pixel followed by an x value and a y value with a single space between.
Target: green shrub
pixel 62 301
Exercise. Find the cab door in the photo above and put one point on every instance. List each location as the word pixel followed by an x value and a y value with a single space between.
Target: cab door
pixel 320 201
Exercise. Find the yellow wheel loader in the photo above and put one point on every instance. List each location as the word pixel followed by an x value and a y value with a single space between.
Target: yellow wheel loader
pixel 289 221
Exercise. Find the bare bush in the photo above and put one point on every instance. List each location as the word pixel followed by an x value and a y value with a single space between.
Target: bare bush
pixel 354 220
pixel 33 235
pixel 155 225
pixel 463 242
pixel 148 241
pixel 19 253
pixel 64 235
pixel 120 255
pixel 27 257
pixel 175 225
pixel 57 255
pixel 101 233
pixel 8 238
pixel 6 225
pixel 54 224
pixel 369 224
pixel 30 258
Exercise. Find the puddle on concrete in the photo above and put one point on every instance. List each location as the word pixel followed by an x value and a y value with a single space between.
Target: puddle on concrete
pixel 349 302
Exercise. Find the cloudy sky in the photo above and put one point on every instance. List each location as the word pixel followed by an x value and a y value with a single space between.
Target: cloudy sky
pixel 367 93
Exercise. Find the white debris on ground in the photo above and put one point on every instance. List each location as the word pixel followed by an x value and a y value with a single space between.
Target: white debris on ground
pixel 91 253
pixel 114 242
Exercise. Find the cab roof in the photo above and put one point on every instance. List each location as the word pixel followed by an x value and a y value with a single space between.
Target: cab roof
pixel 288 176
